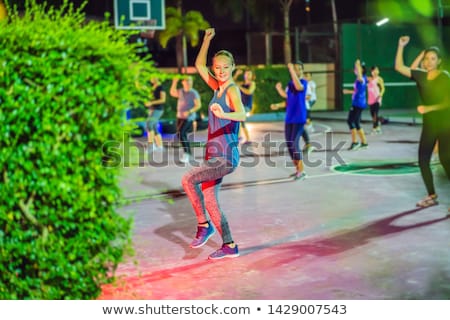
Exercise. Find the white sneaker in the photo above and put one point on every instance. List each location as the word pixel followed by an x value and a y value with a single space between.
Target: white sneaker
pixel 185 158
pixel 308 149
pixel 151 147
pixel 309 128
pixel 376 131
pixel 300 176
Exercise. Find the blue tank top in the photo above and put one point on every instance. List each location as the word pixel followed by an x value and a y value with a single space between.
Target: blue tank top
pixel 296 103
pixel 359 93
pixel 247 99
pixel 223 134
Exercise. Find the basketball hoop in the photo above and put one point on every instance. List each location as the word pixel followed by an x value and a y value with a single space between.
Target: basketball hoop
pixel 148 28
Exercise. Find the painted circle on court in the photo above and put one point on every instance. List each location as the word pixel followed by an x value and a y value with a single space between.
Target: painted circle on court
pixel 378 168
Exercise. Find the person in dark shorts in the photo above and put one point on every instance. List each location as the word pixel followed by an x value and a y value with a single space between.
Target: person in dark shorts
pixel 295 119
pixel 359 103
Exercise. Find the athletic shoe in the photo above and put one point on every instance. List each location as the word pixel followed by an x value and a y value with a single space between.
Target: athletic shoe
pixel 225 252
pixel 300 176
pixel 354 146
pixel 203 234
pixel 150 147
pixel 308 149
pixel 309 128
pixel 185 158
pixel 376 131
pixel 364 146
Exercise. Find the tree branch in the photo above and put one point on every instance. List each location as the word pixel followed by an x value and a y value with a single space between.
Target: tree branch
pixel 25 208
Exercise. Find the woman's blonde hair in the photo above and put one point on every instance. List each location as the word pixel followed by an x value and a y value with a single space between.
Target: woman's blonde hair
pixel 226 54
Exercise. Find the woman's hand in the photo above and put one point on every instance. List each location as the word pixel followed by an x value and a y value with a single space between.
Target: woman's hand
pixel 423 109
pixel 403 41
pixel 274 106
pixel 186 114
pixel 209 34
pixel 347 91
pixel 217 110
pixel 279 86
pixel 290 66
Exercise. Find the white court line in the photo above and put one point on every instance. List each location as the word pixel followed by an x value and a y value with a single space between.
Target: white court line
pixel 387 84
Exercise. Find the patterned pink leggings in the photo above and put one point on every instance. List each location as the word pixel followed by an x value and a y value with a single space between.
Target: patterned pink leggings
pixel 204 198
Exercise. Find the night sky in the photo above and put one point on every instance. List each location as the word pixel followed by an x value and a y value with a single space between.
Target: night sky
pixel 320 9
pixel 231 35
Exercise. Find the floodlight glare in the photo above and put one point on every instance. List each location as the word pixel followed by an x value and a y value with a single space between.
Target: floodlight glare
pixel 382 21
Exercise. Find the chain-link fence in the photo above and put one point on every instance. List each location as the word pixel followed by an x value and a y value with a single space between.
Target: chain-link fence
pixel 311 44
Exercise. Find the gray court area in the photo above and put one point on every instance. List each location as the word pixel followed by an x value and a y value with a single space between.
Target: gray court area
pixel 352 234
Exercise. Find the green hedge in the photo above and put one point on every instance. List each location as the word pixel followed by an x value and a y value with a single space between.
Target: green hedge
pixel 265 93
pixel 64 84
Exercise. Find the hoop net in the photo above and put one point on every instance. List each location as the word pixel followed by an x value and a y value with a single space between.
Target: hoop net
pixel 148 30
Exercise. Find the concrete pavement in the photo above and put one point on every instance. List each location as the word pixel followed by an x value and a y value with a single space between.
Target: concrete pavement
pixel 342 233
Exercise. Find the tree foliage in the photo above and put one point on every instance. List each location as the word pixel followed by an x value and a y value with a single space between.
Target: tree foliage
pixel 3 12
pixel 182 26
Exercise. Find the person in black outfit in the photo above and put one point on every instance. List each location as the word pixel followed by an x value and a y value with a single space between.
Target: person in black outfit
pixel 434 87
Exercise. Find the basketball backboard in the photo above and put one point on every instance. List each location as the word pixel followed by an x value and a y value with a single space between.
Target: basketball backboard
pixel 139 14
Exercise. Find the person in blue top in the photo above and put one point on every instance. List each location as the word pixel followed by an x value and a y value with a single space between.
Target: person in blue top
pixel 296 114
pixel 433 85
pixel 359 103
pixel 202 183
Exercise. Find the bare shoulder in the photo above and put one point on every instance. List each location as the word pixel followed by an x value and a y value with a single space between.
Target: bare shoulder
pixel 233 89
pixel 233 96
